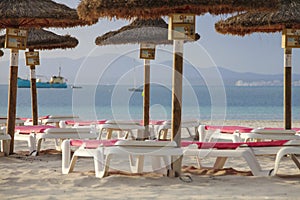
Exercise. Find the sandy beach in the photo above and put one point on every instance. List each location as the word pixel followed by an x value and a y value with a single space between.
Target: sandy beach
pixel 27 177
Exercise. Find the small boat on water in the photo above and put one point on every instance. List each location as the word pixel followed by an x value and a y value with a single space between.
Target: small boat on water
pixel 76 86
pixel 54 82
pixel 135 89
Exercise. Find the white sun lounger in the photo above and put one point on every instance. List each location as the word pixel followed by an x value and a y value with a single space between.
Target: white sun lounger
pixel 55 119
pixel 245 134
pixel 120 126
pixel 162 130
pixel 18 121
pixel 34 135
pixel 103 151
pixel 247 151
pixel 5 141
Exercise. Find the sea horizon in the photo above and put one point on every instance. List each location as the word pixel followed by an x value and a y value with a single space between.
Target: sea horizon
pixel 116 102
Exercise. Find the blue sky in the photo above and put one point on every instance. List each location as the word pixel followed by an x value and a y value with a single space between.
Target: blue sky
pixel 259 53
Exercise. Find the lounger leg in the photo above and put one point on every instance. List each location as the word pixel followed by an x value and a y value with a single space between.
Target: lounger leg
pixel 281 153
pixel 66 156
pixel 32 143
pixel 196 137
pixel 254 165
pixel 99 163
pixel 38 146
pixel 198 161
pixel 136 166
pixel 220 162
pixel 5 147
pixel 108 133
pixel 102 169
pixel 201 132
pixel 296 161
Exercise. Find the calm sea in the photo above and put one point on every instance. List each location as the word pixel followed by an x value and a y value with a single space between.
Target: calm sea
pixel 116 102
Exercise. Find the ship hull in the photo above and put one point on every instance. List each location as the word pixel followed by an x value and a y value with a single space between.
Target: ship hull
pixel 23 83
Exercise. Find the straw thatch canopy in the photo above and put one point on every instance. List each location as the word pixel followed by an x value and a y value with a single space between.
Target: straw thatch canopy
pixel 45 40
pixel 94 9
pixel 151 31
pixel 37 13
pixel 287 16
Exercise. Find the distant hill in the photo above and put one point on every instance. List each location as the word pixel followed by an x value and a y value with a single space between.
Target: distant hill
pixel 122 71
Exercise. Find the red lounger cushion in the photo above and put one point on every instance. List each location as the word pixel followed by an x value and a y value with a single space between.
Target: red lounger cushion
pixel 92 144
pixel 229 145
pixel 31 129
pixel 230 129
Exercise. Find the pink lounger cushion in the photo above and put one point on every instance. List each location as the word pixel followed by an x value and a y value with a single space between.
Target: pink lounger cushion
pixel 201 145
pixel 30 129
pixel 84 123
pixel 229 129
pixel 152 122
pixel 229 145
pixel 92 144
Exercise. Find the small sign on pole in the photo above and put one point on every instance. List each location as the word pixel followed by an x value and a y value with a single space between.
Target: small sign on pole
pixel 16 38
pixel 291 38
pixel 182 27
pixel 32 58
pixel 147 51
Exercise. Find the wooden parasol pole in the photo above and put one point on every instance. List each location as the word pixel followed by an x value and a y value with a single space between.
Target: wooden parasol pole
pixel 12 97
pixel 146 96
pixel 177 100
pixel 288 88
pixel 33 94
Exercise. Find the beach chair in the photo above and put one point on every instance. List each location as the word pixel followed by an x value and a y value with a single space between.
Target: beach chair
pixel 190 125
pixel 77 123
pixel 103 151
pixel 268 134
pixel 55 119
pixel 18 121
pixel 5 141
pixel 245 134
pixel 215 133
pixel 123 128
pixel 34 135
pixel 246 150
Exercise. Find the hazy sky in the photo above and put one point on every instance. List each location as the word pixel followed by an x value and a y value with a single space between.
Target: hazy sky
pixel 259 53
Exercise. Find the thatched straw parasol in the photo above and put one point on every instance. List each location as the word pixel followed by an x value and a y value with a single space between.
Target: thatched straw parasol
pixel 287 16
pixel 94 9
pixel 139 31
pixel 149 31
pixel 38 13
pixel 31 14
pixel 39 39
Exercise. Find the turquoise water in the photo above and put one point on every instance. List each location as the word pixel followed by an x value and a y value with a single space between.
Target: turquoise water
pixel 107 102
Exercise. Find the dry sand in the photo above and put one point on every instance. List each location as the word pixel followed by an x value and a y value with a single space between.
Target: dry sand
pixel 26 177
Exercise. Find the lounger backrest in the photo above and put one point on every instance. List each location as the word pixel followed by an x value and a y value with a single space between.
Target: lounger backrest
pixel 273 131
pixel 68 130
pixel 186 123
pixel 63 117
pixel 146 143
pixel 122 124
